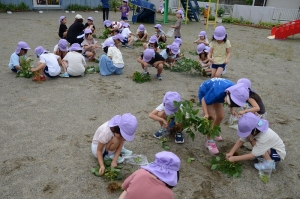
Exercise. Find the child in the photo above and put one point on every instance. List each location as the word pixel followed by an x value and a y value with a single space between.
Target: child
pixel 170 54
pixel 127 34
pixel 49 64
pixel 74 63
pixel 107 24
pixel 160 34
pixel 206 13
pixel 265 142
pixel 152 44
pixel 219 51
pixel 161 113
pixel 203 60
pixel 177 26
pixel 212 94
pixel 89 45
pixel 89 24
pixel 161 175
pixel 61 49
pixel 109 138
pixel 112 63
pixel 152 58
pixel 141 33
pixel 124 10
pixel 178 42
pixel 202 39
pixel 21 50
pixel 63 29
pixel 254 104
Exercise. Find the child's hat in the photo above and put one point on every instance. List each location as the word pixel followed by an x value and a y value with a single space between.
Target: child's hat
pixel 40 50
pixel 78 16
pixel 153 39
pixel 200 48
pixel 202 33
pixel 148 55
pixel 125 1
pixel 126 25
pixel 87 31
pixel 158 26
pixel 90 18
pixel 61 18
pixel 21 45
pixel 174 48
pixel 165 167
pixel 127 124
pixel 220 33
pixel 63 45
pixel 239 94
pixel 178 41
pixel 245 81
pixel 180 12
pixel 206 6
pixel 141 28
pixel 75 47
pixel 108 43
pixel 107 23
pixel 250 121
pixel 207 49
pixel 168 101
pixel 118 36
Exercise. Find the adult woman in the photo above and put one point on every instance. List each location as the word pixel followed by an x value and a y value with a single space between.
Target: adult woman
pixel 75 33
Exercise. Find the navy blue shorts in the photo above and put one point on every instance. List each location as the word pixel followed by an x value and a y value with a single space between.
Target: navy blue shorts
pixel 216 66
pixel 125 41
pixel 274 155
pixel 172 123
pixel 124 18
pixel 47 72
pixel 14 70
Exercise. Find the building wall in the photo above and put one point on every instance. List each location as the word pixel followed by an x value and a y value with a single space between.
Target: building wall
pixel 290 4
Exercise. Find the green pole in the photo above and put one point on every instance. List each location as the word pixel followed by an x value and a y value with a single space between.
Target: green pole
pixel 166 10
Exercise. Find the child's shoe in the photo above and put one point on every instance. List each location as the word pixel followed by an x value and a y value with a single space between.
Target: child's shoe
pixel 265 165
pixel 42 78
pixel 64 75
pixel 158 134
pixel 218 138
pixel 130 47
pixel 212 147
pixel 111 156
pixel 145 72
pixel 159 77
pixel 125 151
pixel 179 138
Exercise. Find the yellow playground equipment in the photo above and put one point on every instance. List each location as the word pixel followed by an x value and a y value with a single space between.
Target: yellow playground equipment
pixel 208 14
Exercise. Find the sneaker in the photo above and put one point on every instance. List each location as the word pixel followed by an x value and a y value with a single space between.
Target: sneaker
pixel 159 77
pixel 218 138
pixel 265 165
pixel 123 45
pixel 158 134
pixel 82 75
pixel 130 47
pixel 64 75
pixel 212 147
pixel 125 151
pixel 179 138
pixel 145 72
pixel 111 156
pixel 42 78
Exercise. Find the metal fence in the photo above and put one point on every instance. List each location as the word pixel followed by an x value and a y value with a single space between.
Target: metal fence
pixel 281 14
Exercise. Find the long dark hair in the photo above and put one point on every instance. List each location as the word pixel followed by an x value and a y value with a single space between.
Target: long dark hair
pixel 225 38
pixel 254 96
pixel 205 55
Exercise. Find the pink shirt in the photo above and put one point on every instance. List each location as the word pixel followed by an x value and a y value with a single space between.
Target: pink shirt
pixel 103 134
pixel 141 184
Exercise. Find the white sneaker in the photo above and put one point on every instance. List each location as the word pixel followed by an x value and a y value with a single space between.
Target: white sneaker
pixel 125 151
pixel 111 156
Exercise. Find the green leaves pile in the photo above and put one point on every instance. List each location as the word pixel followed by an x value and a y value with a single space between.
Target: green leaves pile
pixel 92 69
pixel 110 173
pixel 162 45
pixel 187 65
pixel 231 169
pixel 264 178
pixel 163 143
pixel 26 68
pixel 140 78
pixel 191 123
pixel 138 43
pixel 105 34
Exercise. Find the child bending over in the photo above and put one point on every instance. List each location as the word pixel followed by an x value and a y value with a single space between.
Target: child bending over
pixel 21 50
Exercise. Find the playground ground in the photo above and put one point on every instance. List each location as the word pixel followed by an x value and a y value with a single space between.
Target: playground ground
pixel 46 129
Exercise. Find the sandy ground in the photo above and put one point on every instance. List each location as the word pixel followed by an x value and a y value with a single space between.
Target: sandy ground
pixel 46 129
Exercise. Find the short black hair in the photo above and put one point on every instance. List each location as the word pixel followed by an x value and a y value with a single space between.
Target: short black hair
pixel 105 49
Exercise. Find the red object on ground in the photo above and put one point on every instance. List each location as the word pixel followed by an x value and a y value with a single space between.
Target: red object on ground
pixel 282 31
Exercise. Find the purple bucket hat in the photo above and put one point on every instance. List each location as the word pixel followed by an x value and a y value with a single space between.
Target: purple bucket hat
pixel 118 36
pixel 108 43
pixel 219 33
pixel 207 49
pixel 126 25
pixel 206 6
pixel 165 167
pixel 141 28
pixel 153 39
pixel 125 1
pixel 148 55
pixel 127 124
pixel 168 101
pixel 21 44
pixel 250 121
pixel 39 50
pixel 89 18
pixel 107 23
pixel 158 26
pixel 202 33
pixel 61 18
pixel 180 12
pixel 87 31
pixel 178 41
pixel 75 47
pixel 200 48
pixel 174 48
pixel 63 45
pixel 239 94
pixel 245 81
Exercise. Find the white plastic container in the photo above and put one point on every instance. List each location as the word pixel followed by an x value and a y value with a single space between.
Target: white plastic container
pixel 67 11
pixel 73 11
pixel 41 12
pixel 96 10
pixel 9 12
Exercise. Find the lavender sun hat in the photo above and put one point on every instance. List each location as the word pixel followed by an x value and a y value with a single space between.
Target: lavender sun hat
pixel 89 18
pixel 141 28
pixel 63 45
pixel 108 43
pixel 158 26
pixel 21 45
pixel 239 94
pixel 39 50
pixel 247 82
pixel 168 101
pixel 87 31
pixel 165 167
pixel 207 49
pixel 127 124
pixel 200 48
pixel 148 55
pixel 203 34
pixel 178 41
pixel 61 18
pixel 118 36
pixel 180 12
pixel 250 121
pixel 153 39
pixel 219 33
pixel 75 47
pixel 174 48
pixel 107 23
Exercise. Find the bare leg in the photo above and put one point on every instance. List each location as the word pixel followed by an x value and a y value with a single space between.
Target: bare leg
pixel 159 68
pixel 113 144
pixel 213 72
pixel 219 72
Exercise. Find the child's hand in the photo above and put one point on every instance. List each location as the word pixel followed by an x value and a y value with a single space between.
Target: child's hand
pixel 113 163
pixel 240 113
pixel 228 155
pixel 232 111
pixel 231 159
pixel 226 61
pixel 211 60
pixel 101 170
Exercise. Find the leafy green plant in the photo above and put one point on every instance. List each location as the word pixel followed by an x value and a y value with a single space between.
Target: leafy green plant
pixel 140 78
pixel 264 178
pixel 187 65
pixel 92 69
pixel 193 53
pixel 163 141
pixel 211 18
pixel 138 43
pixel 268 24
pixel 77 7
pixel 99 7
pixel 115 4
pixel 201 10
pixel 105 34
pixel 231 169
pixel 249 2
pixel 220 12
pixel 189 160
pixel 110 173
pixel 187 117
pixel 162 45
pixel 25 67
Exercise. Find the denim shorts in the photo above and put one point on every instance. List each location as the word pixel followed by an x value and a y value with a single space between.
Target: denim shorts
pixel 47 72
pixel 14 69
pixel 274 155
pixel 216 66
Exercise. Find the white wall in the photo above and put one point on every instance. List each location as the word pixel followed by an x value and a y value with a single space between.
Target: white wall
pixel 290 4
pixel 255 14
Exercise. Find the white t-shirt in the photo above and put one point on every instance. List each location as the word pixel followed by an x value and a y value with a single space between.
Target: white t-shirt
pixel 160 107
pixel 55 48
pixel 76 63
pixel 51 62
pixel 103 134
pixel 125 32
pixel 265 141
pixel 116 55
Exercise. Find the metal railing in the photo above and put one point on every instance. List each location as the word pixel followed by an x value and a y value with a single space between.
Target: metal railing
pixel 281 14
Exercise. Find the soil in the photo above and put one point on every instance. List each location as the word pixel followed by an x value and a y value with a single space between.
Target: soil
pixel 46 129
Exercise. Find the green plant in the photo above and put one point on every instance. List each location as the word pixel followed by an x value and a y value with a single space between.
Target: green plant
pixel 115 4
pixel 189 160
pixel 10 7
pixel 249 2
pixel 92 69
pixel 110 173
pixel 162 45
pixel 230 20
pixel 138 43
pixel 187 117
pixel 268 24
pixel 264 178
pixel 187 65
pixel 22 7
pixel 231 169
pixel 163 141
pixel 201 10
pixel 77 7
pixel 25 67
pixel 193 53
pixel 105 34
pixel 211 18
pixel 220 12
pixel 140 78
